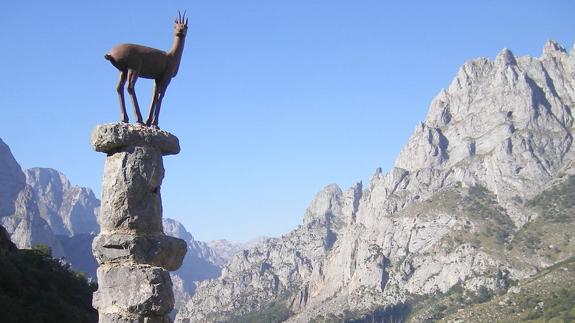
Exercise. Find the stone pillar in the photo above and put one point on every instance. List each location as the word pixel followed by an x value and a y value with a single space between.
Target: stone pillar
pixel 133 253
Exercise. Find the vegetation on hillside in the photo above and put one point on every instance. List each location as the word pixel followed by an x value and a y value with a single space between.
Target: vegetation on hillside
pixel 550 236
pixel 546 297
pixel 273 312
pixel 35 288
pixel 391 314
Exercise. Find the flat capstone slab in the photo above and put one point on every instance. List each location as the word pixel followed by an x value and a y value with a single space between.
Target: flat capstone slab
pixel 113 137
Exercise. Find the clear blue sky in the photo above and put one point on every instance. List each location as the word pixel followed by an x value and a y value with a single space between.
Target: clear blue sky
pixel 273 101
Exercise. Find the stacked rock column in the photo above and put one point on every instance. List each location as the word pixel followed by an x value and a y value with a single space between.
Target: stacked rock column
pixel 133 253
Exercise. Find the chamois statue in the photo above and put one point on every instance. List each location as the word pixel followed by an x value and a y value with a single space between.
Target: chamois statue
pixel 135 61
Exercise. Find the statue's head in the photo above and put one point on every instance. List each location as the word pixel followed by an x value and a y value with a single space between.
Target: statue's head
pixel 181 26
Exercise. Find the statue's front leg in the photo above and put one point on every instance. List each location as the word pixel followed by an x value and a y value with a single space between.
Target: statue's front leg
pixel 132 78
pixel 151 111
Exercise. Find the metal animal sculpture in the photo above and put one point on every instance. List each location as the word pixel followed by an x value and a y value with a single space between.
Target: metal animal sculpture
pixel 135 61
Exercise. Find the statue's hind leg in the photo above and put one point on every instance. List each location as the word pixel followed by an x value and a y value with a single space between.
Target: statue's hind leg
pixel 132 78
pixel 120 90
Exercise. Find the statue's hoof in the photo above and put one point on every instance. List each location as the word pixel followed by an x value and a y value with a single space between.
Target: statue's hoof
pixel 155 126
pixel 140 124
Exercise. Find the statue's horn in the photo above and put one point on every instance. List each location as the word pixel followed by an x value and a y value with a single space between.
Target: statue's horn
pixel 179 17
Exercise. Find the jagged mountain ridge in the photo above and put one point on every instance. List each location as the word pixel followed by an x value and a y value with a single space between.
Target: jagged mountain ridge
pixel 499 136
pixel 226 249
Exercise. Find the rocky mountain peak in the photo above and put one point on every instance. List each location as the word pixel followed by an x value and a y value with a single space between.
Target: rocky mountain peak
pixel 47 181
pixel 68 209
pixel 505 57
pixel 176 229
pixel 553 48
pixel 324 206
pixel 511 114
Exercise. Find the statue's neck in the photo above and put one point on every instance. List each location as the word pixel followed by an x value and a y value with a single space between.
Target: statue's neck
pixel 176 52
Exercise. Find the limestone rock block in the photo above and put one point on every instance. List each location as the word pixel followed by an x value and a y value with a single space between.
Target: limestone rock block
pixel 156 250
pixel 131 199
pixel 133 289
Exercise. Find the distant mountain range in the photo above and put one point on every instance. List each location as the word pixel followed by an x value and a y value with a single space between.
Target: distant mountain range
pixel 39 206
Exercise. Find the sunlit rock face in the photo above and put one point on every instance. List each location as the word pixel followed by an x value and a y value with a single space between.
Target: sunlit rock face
pixel 19 208
pixel 452 212
pixel 133 253
pixel 68 209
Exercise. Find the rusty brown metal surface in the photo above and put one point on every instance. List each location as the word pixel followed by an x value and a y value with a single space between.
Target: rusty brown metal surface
pixel 134 61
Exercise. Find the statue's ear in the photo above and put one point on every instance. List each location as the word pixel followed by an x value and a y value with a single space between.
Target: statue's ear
pixel 186 22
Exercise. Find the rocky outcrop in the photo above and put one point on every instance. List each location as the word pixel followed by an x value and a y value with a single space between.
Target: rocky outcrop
pixel 132 250
pixel 452 212
pixel 27 228
pixel 19 212
pixel 40 206
pixel 68 209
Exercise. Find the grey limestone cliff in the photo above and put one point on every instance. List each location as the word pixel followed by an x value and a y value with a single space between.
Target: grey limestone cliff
pixel 461 209
pixel 19 212
pixel 133 253
pixel 40 206
pixel 68 209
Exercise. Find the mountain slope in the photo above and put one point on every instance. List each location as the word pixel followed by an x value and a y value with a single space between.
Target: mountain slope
pixel 454 211
pixel 36 288
pixel 40 204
